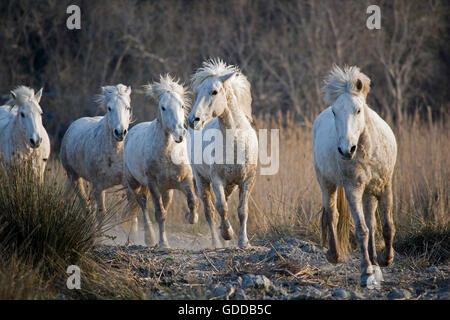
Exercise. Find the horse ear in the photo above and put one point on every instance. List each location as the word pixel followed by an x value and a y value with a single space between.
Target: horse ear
pixel 38 94
pixel 13 95
pixel 105 91
pixel 128 91
pixel 358 85
pixel 226 76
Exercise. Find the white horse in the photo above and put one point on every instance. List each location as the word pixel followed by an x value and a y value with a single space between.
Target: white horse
pixel 92 148
pixel 22 134
pixel 150 149
pixel 355 149
pixel 223 104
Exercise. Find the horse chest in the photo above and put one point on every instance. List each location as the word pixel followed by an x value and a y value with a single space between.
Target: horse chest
pixel 166 173
pixel 109 166
pixel 231 173
pixel 369 175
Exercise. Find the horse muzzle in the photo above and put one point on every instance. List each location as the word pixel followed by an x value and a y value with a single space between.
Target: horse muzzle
pixel 35 142
pixel 347 154
pixel 119 135
pixel 178 135
pixel 195 123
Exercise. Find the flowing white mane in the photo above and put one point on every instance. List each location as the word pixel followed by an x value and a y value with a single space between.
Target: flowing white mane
pixel 23 93
pixel 109 92
pixel 345 80
pixel 167 84
pixel 238 83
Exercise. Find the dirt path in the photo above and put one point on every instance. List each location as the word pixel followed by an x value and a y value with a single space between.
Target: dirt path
pixel 285 269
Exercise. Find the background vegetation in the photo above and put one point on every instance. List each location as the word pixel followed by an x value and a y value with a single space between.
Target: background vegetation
pixel 285 48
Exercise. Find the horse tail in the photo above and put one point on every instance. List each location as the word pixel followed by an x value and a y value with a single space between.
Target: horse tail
pixel 344 223
pixel 343 226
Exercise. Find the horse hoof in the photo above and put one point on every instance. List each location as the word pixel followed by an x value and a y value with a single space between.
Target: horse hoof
pixel 369 280
pixel 333 257
pixel 163 245
pixel 384 259
pixel 244 245
pixel 227 230
pixel 378 274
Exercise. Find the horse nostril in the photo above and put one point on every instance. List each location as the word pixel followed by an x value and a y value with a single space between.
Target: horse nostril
pixel 116 132
pixel 125 132
pixel 352 149
pixel 340 151
pixel 32 142
pixel 196 119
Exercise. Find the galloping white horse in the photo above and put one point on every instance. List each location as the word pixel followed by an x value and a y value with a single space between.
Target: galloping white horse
pixel 22 133
pixel 355 149
pixel 149 154
pixel 92 148
pixel 223 104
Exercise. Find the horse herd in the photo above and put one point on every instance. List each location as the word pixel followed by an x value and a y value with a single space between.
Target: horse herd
pixel 354 155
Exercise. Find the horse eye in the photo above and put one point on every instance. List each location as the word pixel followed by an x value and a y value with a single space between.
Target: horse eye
pixel 358 112
pixel 333 112
pixel 109 108
pixel 22 115
pixel 214 92
pixel 163 109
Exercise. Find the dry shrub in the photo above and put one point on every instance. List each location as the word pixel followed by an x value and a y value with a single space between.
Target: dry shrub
pixel 43 230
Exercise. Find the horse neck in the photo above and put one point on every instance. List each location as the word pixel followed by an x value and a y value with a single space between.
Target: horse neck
pixel 365 140
pixel 163 135
pixel 233 117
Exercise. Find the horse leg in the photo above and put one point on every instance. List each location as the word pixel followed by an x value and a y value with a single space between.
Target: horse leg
pixel 229 190
pixel 77 184
pixel 101 208
pixel 222 208
pixel 167 198
pixel 370 206
pixel 130 220
pixel 160 214
pixel 244 193
pixel 204 191
pixel 149 235
pixel 330 217
pixel 187 187
pixel 42 167
pixel 385 204
pixel 354 199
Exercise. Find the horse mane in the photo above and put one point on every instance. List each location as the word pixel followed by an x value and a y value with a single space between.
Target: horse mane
pixel 109 92
pixel 168 84
pixel 23 93
pixel 238 83
pixel 344 80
